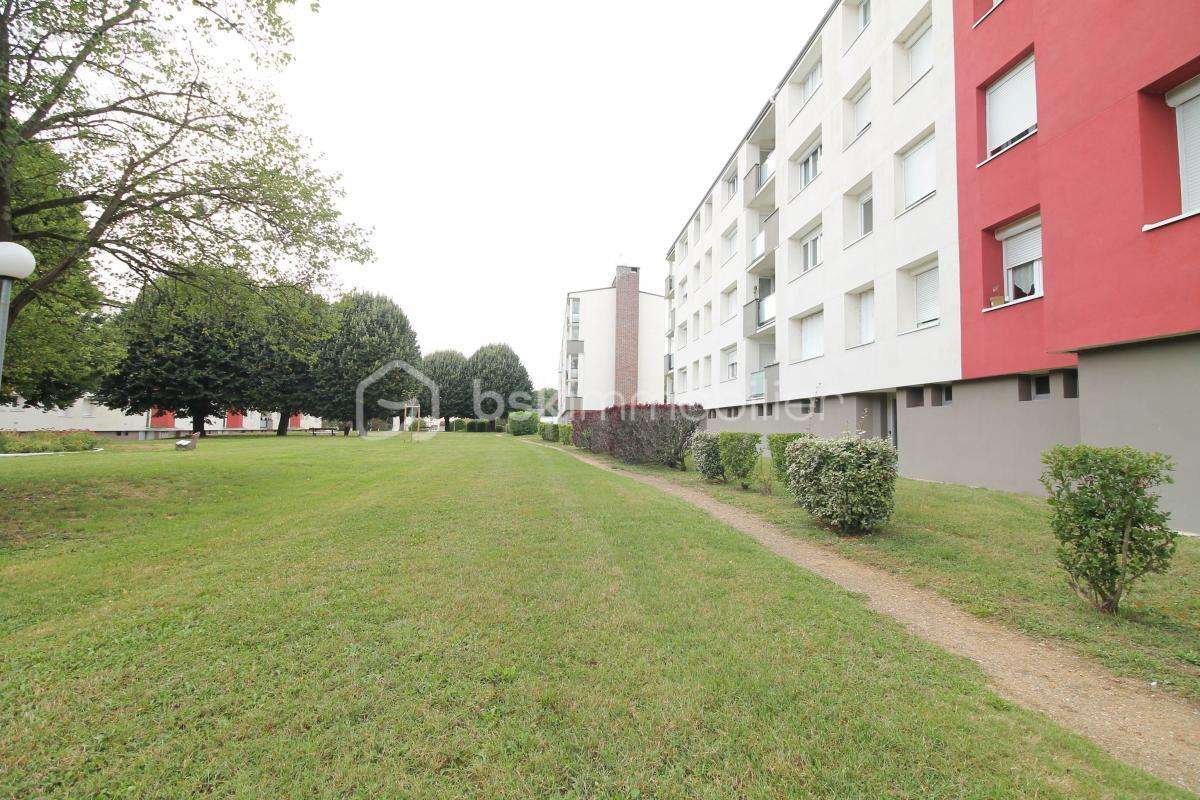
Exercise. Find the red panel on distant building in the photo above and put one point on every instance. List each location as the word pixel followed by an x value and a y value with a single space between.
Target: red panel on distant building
pixel 235 419
pixel 162 419
pixel 294 421
pixel 1101 166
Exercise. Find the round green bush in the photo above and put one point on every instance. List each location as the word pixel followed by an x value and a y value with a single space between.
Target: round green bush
pixel 565 433
pixel 847 483
pixel 739 455
pixel 706 455
pixel 523 423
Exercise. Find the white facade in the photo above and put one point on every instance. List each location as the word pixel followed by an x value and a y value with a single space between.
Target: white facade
pixel 90 416
pixel 588 362
pixel 825 224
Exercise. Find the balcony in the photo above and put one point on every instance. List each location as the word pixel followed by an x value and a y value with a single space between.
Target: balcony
pixel 764 384
pixel 763 246
pixel 670 286
pixel 573 344
pixel 669 362
pixel 759 184
pixel 758 316
pixel 572 403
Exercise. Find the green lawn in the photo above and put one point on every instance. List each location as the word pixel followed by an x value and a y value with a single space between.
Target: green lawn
pixel 467 617
pixel 992 553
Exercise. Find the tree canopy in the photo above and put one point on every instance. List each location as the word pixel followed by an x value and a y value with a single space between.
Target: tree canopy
pixel 175 153
pixel 294 325
pixel 366 332
pixel 496 371
pixel 448 369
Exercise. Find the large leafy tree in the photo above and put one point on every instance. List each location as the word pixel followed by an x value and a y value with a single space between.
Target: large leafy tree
pixel 186 351
pixel 176 153
pixel 447 369
pixel 366 332
pixel 61 348
pixel 295 323
pixel 497 372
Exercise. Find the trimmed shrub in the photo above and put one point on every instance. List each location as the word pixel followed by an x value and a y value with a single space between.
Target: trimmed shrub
pixel 587 431
pixel 417 424
pixel 706 455
pixel 739 455
pixel 48 441
pixel 458 425
pixel 778 443
pixel 548 431
pixel 847 483
pixel 500 425
pixel 523 423
pixel 1106 518
pixel 565 433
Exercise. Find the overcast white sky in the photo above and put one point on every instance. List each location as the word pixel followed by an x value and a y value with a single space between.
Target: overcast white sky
pixel 508 152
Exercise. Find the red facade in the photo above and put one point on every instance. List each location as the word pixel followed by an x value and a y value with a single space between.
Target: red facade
pixel 235 419
pixel 1103 164
pixel 162 419
pixel 294 421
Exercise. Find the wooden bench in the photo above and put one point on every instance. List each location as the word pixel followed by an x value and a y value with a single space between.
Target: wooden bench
pixel 323 431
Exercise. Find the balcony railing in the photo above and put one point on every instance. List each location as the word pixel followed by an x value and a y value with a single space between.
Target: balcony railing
pixel 765 170
pixel 668 362
pixel 766 309
pixel 758 384
pixel 670 286
pixel 767 238
pixel 764 384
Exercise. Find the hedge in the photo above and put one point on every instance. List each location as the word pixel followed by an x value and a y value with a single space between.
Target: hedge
pixel 48 441
pixel 739 455
pixel 1106 518
pixel 778 443
pixel 848 483
pixel 458 425
pixel 642 433
pixel 523 423
pixel 548 431
pixel 564 433
pixel 417 424
pixel 706 455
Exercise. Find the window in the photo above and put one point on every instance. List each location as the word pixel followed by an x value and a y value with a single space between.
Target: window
pixel 573 318
pixel 708 211
pixel 941 395
pixel 810 166
pixel 729 244
pixel 914 397
pixel 1012 108
pixel 864 14
pixel 708 370
pixel 810 251
pixel 811 336
pixel 696 274
pixel 695 326
pixel 683 248
pixel 706 265
pixel 918 172
pixel 708 317
pixel 810 83
pixel 919 52
pixel 866 316
pixel 925 285
pixel 860 112
pixel 729 363
pixel 866 214
pixel 683 334
pixel 1022 246
pixel 731 184
pixel 682 291
pixel 729 302
pixel 573 362
pixel 1071 384
pixel 1186 102
pixel 683 378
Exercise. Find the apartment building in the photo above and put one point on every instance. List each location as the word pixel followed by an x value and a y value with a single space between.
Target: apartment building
pixel 817 281
pixel 971 227
pixel 87 415
pixel 612 346
pixel 1079 224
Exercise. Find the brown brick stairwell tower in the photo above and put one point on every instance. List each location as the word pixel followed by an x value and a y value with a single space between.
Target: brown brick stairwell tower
pixel 625 383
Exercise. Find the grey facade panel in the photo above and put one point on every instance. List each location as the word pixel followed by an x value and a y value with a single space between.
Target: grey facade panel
pixel 1146 396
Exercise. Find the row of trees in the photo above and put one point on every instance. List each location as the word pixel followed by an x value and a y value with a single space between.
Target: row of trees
pixel 285 350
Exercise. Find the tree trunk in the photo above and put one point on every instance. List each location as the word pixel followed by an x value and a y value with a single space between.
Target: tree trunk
pixel 282 428
pixel 198 424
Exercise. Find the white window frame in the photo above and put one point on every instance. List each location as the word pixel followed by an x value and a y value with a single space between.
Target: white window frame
pixel 861 204
pixel 811 83
pixel 860 106
pixel 1185 99
pixel 707 371
pixel 864 15
pixel 730 183
pixel 807 354
pixel 729 244
pixel 811 244
pixel 866 311
pixel 1005 235
pixel 1018 137
pixel 695 326
pixel 810 166
pixel 729 363
pixel 729 295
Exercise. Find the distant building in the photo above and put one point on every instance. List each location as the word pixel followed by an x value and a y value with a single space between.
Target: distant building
pixel 612 346
pixel 89 416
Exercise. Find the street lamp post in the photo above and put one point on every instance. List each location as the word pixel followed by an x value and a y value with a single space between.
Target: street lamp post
pixel 16 262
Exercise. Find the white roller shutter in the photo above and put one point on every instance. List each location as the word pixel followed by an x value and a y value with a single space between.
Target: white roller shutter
pixel 1188 120
pixel 920 172
pixel 812 342
pixel 1023 247
pixel 920 53
pixel 1011 106
pixel 927 296
pixel 866 317
pixel 862 111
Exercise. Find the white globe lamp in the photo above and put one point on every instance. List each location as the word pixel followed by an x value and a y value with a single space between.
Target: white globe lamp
pixel 16 263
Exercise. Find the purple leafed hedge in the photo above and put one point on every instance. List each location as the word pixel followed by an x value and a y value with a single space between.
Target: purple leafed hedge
pixel 645 433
